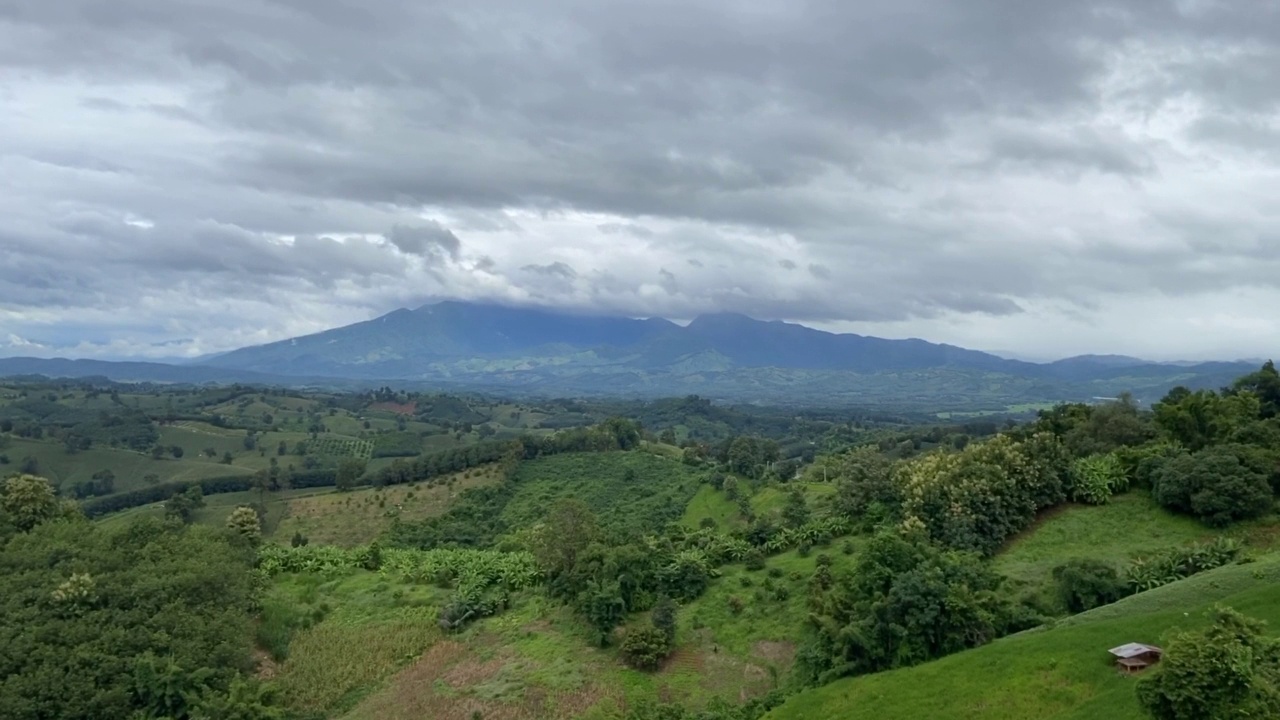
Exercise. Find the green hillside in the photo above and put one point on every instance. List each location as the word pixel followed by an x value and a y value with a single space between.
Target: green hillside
pixel 1063 671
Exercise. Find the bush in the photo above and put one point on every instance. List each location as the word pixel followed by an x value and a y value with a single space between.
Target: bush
pixel 1085 583
pixel 1096 478
pixel 735 605
pixel 754 560
pixel 1214 485
pixel 645 648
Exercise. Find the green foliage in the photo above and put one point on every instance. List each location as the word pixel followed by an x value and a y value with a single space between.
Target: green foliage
pixel 397 444
pixel 905 602
pixel 796 512
pixel 865 488
pixel 1062 671
pixel 749 456
pixel 664 619
pixel 569 528
pixel 644 648
pixel 27 501
pixel 1178 563
pixel 1202 418
pixel 976 498
pixel 182 506
pixel 1085 583
pixel 244 522
pixel 1094 479
pixel 1228 670
pixel 1265 385
pixel 349 472
pixel 625 510
pixel 1219 485
pixel 157 620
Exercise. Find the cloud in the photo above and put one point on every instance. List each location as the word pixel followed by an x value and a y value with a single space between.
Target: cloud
pixel 241 171
pixel 425 240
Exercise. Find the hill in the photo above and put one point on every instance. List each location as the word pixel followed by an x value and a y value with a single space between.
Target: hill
pixel 1062 671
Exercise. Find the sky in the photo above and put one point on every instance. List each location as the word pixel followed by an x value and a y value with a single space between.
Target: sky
pixel 1042 179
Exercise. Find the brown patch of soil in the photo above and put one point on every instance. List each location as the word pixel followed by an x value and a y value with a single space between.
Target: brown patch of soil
pixel 400 408
pixel 780 654
pixel 265 666
pixel 471 671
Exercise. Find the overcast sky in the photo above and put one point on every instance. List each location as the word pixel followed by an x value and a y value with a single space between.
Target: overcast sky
pixel 1040 178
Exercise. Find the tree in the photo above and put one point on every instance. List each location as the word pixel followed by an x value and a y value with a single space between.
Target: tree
pixel 645 648
pixel 157 452
pixel 28 501
pixel 569 528
pixel 1086 583
pixel 1214 485
pixel 1228 670
pixel 906 601
pixel 865 486
pixel 664 619
pixel 795 513
pixel 244 522
pixel 155 620
pixel 668 437
pixel 602 605
pixel 1265 384
pixel 349 471
pixel 182 506
pixel 176 451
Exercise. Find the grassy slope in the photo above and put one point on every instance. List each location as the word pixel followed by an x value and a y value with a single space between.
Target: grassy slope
pixel 711 503
pixel 536 660
pixel 1060 672
pixel 1131 525
pixel 128 466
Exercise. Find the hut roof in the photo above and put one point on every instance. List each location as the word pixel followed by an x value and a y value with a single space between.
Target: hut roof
pixel 1129 650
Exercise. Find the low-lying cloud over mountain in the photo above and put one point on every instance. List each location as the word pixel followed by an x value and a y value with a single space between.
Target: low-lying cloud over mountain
pixel 1046 178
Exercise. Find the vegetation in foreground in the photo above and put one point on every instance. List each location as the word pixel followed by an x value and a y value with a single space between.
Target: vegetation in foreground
pixel 681 579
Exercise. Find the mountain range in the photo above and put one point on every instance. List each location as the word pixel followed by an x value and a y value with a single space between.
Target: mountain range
pixel 457 345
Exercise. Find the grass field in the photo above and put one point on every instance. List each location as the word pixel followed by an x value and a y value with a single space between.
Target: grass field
pixel 129 467
pixel 1063 672
pixel 772 498
pixel 1129 526
pixel 711 503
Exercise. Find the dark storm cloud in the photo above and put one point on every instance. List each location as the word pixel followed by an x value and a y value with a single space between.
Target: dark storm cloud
pixel 331 159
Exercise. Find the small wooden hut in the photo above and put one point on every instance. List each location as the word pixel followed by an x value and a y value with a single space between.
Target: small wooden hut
pixel 1136 657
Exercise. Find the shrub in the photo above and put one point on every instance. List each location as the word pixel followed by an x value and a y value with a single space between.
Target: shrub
pixel 1096 478
pixel 645 648
pixel 754 560
pixel 735 605
pixel 1214 485
pixel 775 572
pixel 1085 583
